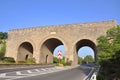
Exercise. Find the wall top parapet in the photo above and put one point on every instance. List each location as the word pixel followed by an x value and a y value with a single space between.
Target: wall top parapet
pixel 65 25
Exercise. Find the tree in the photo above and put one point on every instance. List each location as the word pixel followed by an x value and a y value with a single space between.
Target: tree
pixel 2 49
pixel 80 60
pixel 55 60
pixel 3 35
pixel 88 59
pixel 109 44
pixel 109 54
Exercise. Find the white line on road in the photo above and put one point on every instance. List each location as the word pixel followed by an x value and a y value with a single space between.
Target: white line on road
pixel 22 75
pixel 89 74
pixel 2 74
pixel 18 73
pixel 43 69
pixel 29 71
pixel 37 70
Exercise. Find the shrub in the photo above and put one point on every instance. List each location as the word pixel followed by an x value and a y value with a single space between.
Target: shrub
pixel 30 61
pixel 100 77
pixel 69 63
pixel 55 60
pixel 1 55
pixel 21 62
pixel 63 62
pixel 8 59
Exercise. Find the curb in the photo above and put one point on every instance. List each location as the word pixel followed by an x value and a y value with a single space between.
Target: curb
pixel 22 66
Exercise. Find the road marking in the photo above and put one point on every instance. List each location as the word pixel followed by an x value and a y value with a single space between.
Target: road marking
pixel 18 73
pixel 37 70
pixel 2 74
pixel 89 74
pixel 43 69
pixel 29 71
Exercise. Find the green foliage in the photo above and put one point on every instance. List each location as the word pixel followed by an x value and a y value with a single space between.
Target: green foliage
pixel 8 60
pixel 55 60
pixel 88 59
pixel 63 61
pixel 1 55
pixel 68 63
pixel 100 77
pixel 109 44
pixel 80 60
pixel 3 35
pixel 109 55
pixel 3 49
pixel 21 62
pixel 30 61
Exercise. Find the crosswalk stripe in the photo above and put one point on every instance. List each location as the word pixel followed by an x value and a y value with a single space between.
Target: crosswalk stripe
pixel 29 71
pixel 18 73
pixel 43 69
pixel 37 70
pixel 34 72
pixel 2 74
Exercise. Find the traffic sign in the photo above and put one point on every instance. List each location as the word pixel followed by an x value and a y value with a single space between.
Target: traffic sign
pixel 59 55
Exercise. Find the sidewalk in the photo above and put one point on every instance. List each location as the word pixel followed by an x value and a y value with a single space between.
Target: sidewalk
pixel 19 66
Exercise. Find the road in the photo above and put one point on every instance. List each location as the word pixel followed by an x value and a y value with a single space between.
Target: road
pixel 51 73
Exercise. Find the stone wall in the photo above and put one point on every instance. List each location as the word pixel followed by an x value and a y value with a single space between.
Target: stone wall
pixel 68 35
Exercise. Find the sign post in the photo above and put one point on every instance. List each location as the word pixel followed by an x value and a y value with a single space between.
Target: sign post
pixel 59 55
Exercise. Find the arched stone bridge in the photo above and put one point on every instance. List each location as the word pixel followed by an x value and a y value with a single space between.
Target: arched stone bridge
pixel 40 42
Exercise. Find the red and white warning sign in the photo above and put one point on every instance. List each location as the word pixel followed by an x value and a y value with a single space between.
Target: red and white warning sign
pixel 59 55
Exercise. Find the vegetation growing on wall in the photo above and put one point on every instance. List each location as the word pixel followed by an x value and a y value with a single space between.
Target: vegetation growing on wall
pixel 3 37
pixel 3 59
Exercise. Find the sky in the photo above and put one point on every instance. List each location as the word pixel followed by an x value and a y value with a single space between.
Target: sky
pixel 16 14
pixel 82 52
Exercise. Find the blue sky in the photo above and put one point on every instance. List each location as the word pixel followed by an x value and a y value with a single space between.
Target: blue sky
pixel 15 14
pixel 82 52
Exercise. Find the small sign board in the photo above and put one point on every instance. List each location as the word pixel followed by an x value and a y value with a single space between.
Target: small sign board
pixel 59 55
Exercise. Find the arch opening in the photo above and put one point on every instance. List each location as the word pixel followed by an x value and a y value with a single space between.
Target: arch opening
pixel 48 49
pixel 87 44
pixel 25 51
pixel 60 47
pixel 85 55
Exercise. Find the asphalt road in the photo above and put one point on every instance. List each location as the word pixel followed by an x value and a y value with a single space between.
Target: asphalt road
pixel 78 73
pixel 48 73
pixel 21 69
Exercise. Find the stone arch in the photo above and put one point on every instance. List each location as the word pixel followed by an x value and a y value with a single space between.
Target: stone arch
pixel 23 41
pixel 25 51
pixel 26 40
pixel 84 42
pixel 47 47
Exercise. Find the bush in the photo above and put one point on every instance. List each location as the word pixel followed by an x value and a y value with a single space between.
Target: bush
pixel 100 77
pixel 63 62
pixel 55 60
pixel 30 61
pixel 21 62
pixel 8 59
pixel 1 55
pixel 69 63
